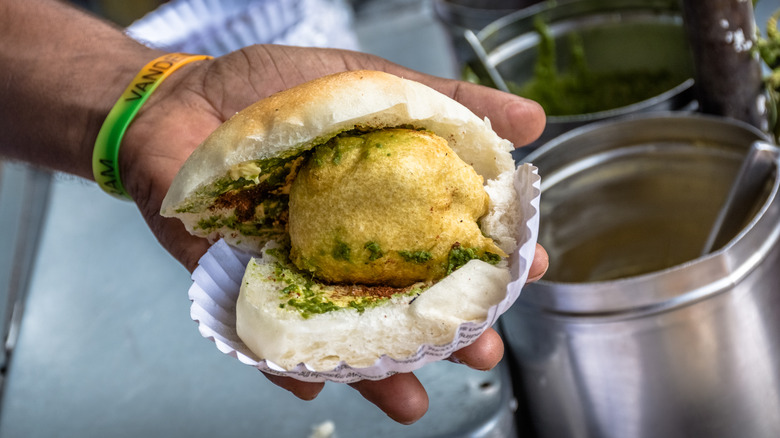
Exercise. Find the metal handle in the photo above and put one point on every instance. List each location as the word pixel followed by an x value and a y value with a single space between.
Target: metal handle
pixel 746 191
pixel 479 50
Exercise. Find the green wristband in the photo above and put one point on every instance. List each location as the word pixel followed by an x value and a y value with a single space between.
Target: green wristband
pixel 105 156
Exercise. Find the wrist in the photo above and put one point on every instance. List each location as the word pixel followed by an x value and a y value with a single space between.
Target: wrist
pixel 105 160
pixel 164 132
pixel 97 104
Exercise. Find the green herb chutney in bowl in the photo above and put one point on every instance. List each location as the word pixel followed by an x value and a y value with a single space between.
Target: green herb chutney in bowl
pixel 589 60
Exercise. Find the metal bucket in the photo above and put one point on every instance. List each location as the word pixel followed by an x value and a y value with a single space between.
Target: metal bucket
pixel 632 333
pixel 616 36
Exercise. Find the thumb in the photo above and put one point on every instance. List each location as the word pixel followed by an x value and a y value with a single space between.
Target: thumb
pixel 514 118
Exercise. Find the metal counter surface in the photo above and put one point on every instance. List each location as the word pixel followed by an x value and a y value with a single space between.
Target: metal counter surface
pixel 106 346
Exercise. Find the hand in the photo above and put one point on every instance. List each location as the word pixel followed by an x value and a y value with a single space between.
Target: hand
pixel 195 100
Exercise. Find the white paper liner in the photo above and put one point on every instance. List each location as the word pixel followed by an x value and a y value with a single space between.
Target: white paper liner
pixel 217 280
pixel 217 27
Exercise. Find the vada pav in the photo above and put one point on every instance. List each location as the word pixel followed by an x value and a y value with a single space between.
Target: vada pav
pixel 381 214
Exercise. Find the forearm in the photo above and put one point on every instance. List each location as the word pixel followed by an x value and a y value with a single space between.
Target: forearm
pixel 61 71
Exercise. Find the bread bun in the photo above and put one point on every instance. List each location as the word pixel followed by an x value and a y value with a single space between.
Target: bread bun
pixel 285 125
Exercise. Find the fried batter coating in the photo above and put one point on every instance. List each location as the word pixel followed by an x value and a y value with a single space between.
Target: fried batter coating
pixel 385 208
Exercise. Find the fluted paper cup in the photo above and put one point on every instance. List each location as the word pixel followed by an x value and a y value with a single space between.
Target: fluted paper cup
pixel 217 281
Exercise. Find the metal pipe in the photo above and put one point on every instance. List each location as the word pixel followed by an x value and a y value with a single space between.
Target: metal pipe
pixel 728 75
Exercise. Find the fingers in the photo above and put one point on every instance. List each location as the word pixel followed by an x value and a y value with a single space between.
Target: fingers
pixel 539 265
pixel 484 354
pixel 302 390
pixel 517 119
pixel 400 396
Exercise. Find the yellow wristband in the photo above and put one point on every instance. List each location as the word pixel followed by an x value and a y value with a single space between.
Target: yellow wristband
pixel 105 156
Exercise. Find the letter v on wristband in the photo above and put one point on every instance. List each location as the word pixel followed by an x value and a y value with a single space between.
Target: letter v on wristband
pixel 105 156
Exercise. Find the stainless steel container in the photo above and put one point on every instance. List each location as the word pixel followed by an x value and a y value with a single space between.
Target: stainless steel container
pixel 616 36
pixel 460 15
pixel 632 333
